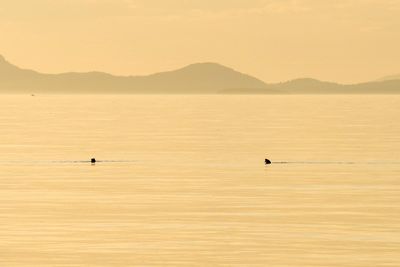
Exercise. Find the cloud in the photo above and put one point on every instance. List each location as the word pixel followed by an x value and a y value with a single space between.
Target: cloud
pixel 63 9
pixel 188 9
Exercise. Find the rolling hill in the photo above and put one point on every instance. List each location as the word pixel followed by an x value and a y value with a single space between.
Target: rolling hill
pixel 200 78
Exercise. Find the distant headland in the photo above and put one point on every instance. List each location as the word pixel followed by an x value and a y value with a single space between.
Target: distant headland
pixel 200 78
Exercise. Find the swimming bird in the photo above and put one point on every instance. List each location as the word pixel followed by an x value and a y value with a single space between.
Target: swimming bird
pixel 267 162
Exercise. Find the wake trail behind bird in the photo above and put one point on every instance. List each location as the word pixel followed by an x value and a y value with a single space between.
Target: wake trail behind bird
pixel 339 162
pixel 16 162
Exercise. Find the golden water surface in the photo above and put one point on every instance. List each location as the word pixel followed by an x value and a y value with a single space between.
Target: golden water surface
pixel 182 182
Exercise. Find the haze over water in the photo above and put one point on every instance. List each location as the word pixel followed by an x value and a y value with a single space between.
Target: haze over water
pixel 184 182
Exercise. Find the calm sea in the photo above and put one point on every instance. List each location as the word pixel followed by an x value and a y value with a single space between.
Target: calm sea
pixel 182 181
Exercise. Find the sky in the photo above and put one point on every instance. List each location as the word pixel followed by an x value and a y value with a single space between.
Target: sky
pixel 346 41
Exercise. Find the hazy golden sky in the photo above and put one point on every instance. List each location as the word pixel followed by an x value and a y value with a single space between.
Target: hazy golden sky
pixel 275 40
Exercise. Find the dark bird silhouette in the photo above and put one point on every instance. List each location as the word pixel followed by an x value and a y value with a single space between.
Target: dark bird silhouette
pixel 267 162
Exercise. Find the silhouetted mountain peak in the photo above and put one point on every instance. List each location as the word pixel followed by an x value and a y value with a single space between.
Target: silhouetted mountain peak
pixel 207 77
pixel 206 68
pixel 2 60
pixel 10 69
pixel 207 65
pixel 5 65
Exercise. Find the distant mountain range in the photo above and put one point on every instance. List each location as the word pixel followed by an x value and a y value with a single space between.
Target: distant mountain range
pixel 201 78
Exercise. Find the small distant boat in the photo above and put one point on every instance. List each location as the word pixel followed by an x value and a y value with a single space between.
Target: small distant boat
pixel 93 160
pixel 267 162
